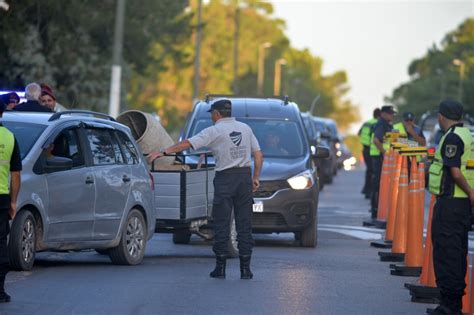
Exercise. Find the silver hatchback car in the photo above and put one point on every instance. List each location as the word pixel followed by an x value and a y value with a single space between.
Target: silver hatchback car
pixel 85 185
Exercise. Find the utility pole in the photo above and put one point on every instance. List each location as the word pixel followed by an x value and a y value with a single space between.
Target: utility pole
pixel 114 100
pixel 197 53
pixel 462 67
pixel 277 80
pixel 261 66
pixel 235 87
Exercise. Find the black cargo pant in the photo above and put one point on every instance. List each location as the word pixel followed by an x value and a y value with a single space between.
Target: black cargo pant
pixel 449 233
pixel 367 189
pixel 233 190
pixel 377 169
pixel 4 261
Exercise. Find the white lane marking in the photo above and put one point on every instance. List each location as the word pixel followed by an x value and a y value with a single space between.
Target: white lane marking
pixel 351 227
pixel 354 233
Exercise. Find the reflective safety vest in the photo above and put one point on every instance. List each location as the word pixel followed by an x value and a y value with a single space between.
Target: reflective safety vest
pixel 366 130
pixel 7 143
pixel 373 149
pixel 436 171
pixel 401 129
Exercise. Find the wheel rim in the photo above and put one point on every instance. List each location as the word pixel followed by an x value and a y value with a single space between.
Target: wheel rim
pixel 28 241
pixel 135 237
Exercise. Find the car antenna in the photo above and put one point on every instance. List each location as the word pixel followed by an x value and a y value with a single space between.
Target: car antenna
pixel 313 104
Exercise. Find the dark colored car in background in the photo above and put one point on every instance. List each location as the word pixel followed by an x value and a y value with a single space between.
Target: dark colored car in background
pixel 287 199
pixel 319 133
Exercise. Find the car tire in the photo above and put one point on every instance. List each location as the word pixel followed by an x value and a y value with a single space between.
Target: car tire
pixel 131 248
pixel 329 179
pixel 181 237
pixel 309 236
pixel 233 251
pixel 22 243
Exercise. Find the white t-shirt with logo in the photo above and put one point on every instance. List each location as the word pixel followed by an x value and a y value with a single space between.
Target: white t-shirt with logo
pixel 231 142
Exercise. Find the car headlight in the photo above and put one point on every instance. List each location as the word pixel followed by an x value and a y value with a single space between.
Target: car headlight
pixel 301 181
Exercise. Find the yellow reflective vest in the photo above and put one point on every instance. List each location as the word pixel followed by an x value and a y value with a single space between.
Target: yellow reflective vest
pixel 366 131
pixel 7 143
pixel 436 172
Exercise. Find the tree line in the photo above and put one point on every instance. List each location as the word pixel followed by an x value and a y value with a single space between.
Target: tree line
pixel 69 46
pixel 445 71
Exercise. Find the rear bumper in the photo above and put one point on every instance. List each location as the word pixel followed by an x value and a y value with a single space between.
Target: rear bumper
pixel 287 210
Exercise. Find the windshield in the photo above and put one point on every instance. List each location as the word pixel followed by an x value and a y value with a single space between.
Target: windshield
pixel 277 138
pixel 26 134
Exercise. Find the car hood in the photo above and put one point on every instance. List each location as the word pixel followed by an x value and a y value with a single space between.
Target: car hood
pixel 282 169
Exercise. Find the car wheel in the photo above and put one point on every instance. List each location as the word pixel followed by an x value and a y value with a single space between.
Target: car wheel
pixel 309 235
pixel 297 236
pixel 181 237
pixel 232 244
pixel 131 248
pixel 329 179
pixel 22 244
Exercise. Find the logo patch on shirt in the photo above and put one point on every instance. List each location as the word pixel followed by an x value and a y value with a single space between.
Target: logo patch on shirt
pixel 451 150
pixel 236 137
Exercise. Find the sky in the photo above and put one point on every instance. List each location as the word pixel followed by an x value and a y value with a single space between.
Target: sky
pixel 374 41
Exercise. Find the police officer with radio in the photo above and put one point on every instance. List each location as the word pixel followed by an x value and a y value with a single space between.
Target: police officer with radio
pixel 232 144
pixel 10 167
pixel 365 134
pixel 377 150
pixel 450 180
pixel 407 128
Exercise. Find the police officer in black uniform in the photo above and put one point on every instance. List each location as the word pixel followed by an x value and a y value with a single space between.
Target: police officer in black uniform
pixel 383 125
pixel 10 166
pixel 450 182
pixel 232 143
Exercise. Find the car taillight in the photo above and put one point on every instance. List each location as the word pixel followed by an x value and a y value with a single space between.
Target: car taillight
pixel 432 150
pixel 152 181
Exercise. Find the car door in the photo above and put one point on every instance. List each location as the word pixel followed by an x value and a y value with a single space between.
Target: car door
pixel 71 193
pixel 112 179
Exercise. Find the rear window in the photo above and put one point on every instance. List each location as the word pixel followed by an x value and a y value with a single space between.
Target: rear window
pixel 26 134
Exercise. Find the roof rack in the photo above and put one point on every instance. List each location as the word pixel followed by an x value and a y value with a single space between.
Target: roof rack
pixel 56 116
pixel 285 98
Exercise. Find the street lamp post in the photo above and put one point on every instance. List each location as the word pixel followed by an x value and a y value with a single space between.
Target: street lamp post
pixel 462 67
pixel 114 100
pixel 197 57
pixel 261 66
pixel 277 83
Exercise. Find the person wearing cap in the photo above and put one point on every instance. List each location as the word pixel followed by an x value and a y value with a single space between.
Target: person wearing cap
pixel 365 134
pixel 10 180
pixel 48 99
pixel 408 129
pixel 32 104
pixel 232 144
pixel 377 150
pixel 451 180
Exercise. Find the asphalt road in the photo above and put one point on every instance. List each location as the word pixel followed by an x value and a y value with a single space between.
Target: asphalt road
pixel 341 276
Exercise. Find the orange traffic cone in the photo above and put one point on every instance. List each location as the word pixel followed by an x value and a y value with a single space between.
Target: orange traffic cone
pixel 426 291
pixel 471 289
pixel 400 232
pixel 466 305
pixel 414 244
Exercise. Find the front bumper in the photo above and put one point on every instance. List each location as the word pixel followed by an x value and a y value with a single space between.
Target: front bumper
pixel 286 210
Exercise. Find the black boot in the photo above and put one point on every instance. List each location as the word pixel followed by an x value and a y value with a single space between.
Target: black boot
pixel 219 271
pixel 245 272
pixel 4 297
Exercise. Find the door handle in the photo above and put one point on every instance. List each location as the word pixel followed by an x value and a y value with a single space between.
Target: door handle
pixel 89 180
pixel 125 179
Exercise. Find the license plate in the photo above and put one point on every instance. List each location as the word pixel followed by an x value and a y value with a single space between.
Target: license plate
pixel 258 206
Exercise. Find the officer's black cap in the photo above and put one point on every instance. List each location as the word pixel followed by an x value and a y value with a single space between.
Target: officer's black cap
pixel 408 116
pixel 222 104
pixel 451 109
pixel 388 109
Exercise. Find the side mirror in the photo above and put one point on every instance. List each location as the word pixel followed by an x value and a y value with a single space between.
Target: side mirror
pixel 320 152
pixel 57 164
